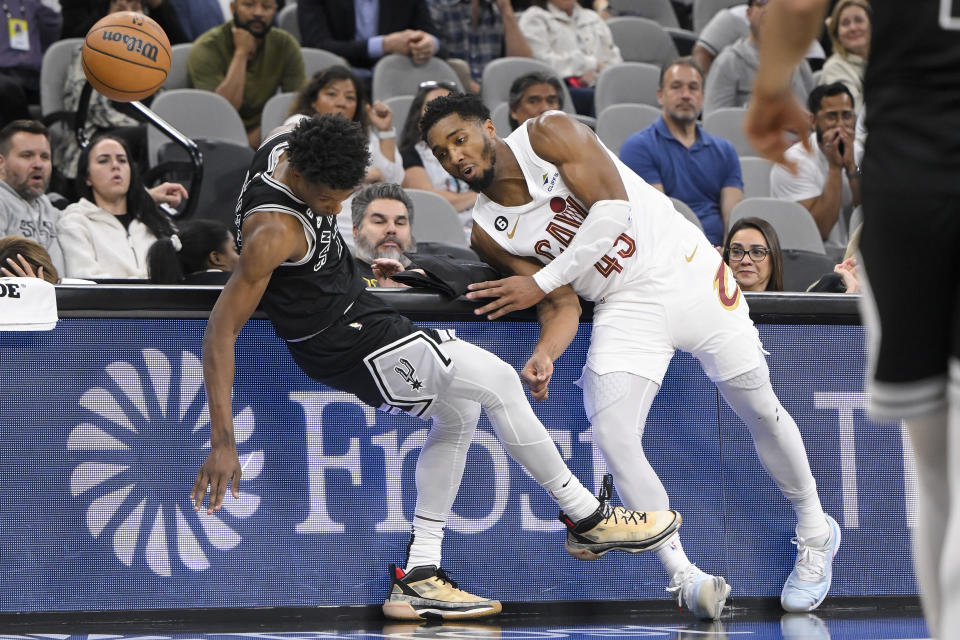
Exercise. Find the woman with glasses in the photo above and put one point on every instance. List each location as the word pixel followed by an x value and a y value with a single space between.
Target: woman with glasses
pixel 752 251
pixel 421 169
pixel 336 90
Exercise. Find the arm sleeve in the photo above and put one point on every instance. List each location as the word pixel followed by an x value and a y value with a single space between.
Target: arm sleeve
pixel 721 88
pixel 205 66
pixel 731 161
pixel 570 62
pixel 166 16
pixel 317 31
pixel 410 158
pixel 636 154
pixel 803 186
pixel 80 260
pixel 50 22
pixel 294 76
pixel 605 222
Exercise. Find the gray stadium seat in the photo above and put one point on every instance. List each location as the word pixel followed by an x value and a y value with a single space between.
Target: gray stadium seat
pixel 792 222
pixel 319 59
pixel 435 219
pixel 756 177
pixel 727 122
pixel 178 78
pixel 500 115
pixel 634 82
pixel 53 73
pixel 287 20
pixel 687 212
pixel 400 105
pixel 196 114
pixel 660 11
pixel 642 40
pixel 275 111
pixel 499 74
pixel 395 75
pixel 618 122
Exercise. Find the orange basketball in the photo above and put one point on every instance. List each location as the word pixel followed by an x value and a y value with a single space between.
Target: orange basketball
pixel 126 56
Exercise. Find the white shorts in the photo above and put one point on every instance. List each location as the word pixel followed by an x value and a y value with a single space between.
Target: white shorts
pixel 694 306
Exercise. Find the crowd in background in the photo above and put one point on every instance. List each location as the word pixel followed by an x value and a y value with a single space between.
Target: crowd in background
pixel 86 213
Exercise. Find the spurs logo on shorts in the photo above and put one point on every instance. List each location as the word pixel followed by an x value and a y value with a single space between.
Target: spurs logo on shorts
pixel 406 371
pixel 411 372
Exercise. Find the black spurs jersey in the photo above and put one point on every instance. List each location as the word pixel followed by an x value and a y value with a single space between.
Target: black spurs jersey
pixel 912 96
pixel 307 296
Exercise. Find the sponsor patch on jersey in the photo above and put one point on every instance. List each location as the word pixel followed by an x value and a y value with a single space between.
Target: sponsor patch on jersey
pixel 500 223
pixel 553 181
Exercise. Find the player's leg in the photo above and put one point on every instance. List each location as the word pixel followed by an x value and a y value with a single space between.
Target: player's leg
pixel 913 375
pixel 617 405
pixel 722 337
pixel 592 528
pixel 422 590
pixel 780 448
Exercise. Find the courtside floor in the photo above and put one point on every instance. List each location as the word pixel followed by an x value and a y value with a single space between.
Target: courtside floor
pixel 755 619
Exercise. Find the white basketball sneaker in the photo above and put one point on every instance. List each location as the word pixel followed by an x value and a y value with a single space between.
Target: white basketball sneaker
pixel 809 582
pixel 703 594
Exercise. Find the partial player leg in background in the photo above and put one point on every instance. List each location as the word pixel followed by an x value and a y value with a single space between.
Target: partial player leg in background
pixel 913 326
pixel 617 405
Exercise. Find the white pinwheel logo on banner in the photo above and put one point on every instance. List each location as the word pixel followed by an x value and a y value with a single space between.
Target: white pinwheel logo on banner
pixel 138 448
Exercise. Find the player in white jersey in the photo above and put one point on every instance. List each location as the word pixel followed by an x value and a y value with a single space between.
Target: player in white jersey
pixel 558 209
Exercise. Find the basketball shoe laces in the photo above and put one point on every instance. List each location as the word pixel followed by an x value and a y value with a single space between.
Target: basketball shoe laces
pixel 444 578
pixel 811 560
pixel 617 514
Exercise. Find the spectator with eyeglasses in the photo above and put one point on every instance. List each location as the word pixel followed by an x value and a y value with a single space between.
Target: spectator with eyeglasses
pixel 421 169
pixel 752 251
pixel 827 178
pixel 730 81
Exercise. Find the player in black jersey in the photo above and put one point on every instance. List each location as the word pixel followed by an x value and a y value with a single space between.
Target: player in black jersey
pixel 909 246
pixel 294 262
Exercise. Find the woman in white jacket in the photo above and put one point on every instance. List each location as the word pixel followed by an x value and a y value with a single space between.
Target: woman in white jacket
pixel 108 232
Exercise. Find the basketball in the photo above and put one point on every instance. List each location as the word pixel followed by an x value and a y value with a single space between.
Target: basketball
pixel 126 56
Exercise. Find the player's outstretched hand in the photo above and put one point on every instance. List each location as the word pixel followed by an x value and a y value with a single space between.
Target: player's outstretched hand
pixel 221 467
pixel 767 122
pixel 511 294
pixel 536 375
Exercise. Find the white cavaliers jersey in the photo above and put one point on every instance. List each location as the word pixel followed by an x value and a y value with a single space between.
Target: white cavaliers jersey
pixel 542 228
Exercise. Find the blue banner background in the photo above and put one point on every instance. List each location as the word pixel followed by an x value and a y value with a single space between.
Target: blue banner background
pixel 103 429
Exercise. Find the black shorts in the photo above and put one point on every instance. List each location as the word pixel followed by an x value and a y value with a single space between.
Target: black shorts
pixel 910 248
pixel 378 355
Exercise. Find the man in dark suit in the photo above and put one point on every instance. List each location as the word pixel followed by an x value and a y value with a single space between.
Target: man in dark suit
pixel 363 31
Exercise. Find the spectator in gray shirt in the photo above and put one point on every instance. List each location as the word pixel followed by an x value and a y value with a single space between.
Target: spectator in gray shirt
pixel 726 27
pixel 730 80
pixel 25 168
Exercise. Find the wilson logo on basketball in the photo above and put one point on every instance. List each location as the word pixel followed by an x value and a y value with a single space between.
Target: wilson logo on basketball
pixel 138 500
pixel 132 43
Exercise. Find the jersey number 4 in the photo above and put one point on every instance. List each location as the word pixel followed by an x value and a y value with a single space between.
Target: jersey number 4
pixel 610 264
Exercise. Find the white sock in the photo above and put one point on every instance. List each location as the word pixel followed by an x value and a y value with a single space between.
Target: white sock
pixel 672 556
pixel 425 543
pixel 573 498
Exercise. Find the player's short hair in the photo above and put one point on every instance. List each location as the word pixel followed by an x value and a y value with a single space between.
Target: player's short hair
pixel 815 99
pixel 20 126
pixel 683 61
pixel 468 106
pixel 378 191
pixel 329 150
